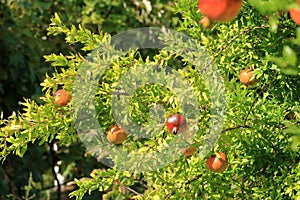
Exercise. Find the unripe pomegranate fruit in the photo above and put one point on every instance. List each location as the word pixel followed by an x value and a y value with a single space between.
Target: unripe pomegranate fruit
pixel 116 135
pixel 246 77
pixel 217 162
pixel 61 97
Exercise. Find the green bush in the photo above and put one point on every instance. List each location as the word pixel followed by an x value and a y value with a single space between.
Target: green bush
pixel 24 41
pixel 24 38
pixel 261 126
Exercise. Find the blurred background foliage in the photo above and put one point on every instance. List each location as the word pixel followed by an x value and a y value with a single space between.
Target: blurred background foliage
pixel 24 42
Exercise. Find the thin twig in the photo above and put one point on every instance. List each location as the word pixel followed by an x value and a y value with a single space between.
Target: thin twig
pixel 186 183
pixel 198 176
pixel 282 126
pixel 143 184
pixel 133 191
pixel 255 99
pixel 116 93
pixel 53 187
pixel 235 127
pixel 15 196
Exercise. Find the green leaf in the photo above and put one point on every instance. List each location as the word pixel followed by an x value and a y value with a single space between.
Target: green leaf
pixel 290 55
pixel 273 23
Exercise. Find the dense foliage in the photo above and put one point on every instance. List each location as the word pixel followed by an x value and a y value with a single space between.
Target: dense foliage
pixel 261 127
pixel 24 40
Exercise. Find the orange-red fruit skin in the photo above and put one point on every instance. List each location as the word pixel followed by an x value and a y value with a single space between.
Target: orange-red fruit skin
pixel 61 97
pixel 295 14
pixel 217 164
pixel 176 123
pixel 246 77
pixel 188 151
pixel 116 135
pixel 220 10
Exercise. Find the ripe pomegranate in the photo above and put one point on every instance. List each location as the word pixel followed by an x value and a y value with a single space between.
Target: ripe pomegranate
pixel 220 10
pixel 116 135
pixel 61 97
pixel 246 77
pixel 176 124
pixel 217 162
pixel 295 14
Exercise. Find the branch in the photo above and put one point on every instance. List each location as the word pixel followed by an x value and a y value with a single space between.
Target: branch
pixel 256 97
pixel 198 176
pixel 235 127
pixel 283 126
pixel 53 163
pixel 132 190
pixel 66 186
